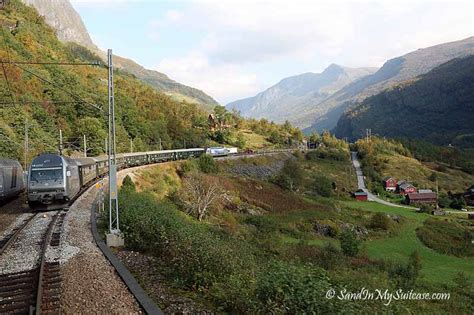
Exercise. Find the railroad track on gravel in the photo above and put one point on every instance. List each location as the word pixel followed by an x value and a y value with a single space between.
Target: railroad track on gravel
pixel 34 290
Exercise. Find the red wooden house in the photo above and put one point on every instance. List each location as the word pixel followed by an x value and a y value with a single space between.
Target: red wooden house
pixel 421 198
pixel 389 183
pixel 360 195
pixel 405 187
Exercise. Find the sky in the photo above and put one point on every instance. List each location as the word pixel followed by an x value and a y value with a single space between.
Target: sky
pixel 236 49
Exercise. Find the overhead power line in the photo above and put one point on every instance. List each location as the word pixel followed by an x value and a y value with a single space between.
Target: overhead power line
pixel 73 95
pixel 54 63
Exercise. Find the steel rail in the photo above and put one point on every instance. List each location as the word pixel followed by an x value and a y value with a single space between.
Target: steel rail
pixel 17 232
pixel 47 240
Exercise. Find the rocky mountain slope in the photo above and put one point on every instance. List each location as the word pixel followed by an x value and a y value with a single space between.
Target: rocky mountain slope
pixel 394 70
pixel 437 106
pixel 62 17
pixel 293 97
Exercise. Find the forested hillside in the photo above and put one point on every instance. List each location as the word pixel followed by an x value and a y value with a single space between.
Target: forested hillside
pixel 438 107
pixel 69 27
pixel 143 114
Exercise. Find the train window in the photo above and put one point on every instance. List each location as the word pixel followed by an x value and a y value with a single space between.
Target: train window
pixel 14 175
pixel 46 174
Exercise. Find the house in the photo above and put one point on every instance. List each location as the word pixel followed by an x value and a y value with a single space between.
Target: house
pixel 405 187
pixel 421 198
pixel 469 196
pixel 389 183
pixel 361 195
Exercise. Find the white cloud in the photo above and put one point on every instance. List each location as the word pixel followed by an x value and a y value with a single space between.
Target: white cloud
pixel 224 82
pixel 241 43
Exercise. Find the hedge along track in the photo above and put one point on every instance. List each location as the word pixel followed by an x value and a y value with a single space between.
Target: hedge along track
pixel 37 289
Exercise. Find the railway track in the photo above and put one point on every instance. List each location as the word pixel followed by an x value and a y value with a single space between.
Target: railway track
pixel 34 289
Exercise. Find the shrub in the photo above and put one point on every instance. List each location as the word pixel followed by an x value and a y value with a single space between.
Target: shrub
pixel 328 154
pixel 349 243
pixel 426 209
pixel 405 275
pixel 285 288
pixel 263 224
pixel 322 186
pixel 128 184
pixel 186 167
pixel 433 177
pixel 207 164
pixel 197 256
pixel 380 221
pixel 330 258
pixel 446 237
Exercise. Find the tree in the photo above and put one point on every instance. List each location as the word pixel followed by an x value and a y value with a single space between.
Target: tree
pixel 349 243
pixel 322 186
pixel 290 176
pixel 128 184
pixel 207 164
pixel 198 194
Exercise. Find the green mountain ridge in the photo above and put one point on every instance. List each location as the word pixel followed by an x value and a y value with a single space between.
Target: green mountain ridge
pixel 437 107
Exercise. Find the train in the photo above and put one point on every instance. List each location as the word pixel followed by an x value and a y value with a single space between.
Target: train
pixel 54 180
pixel 12 181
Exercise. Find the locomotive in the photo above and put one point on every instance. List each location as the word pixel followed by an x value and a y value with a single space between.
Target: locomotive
pixel 11 179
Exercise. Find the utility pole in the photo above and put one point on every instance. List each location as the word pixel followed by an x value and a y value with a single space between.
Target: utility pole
pixel 26 144
pixel 85 146
pixel 60 142
pixel 113 238
pixel 131 145
pixel 160 144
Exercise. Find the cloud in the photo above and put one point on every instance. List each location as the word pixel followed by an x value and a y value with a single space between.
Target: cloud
pixel 224 82
pixel 233 49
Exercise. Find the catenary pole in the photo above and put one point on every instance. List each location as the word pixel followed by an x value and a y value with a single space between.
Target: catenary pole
pixel 114 226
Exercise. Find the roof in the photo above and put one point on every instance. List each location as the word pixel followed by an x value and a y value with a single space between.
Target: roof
pixel 422 196
pixel 387 178
pixel 424 191
pixel 360 192
pixel 405 185
pixel 9 163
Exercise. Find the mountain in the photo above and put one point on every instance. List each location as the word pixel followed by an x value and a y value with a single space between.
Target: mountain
pixel 295 97
pixel 437 106
pixel 395 70
pixel 62 17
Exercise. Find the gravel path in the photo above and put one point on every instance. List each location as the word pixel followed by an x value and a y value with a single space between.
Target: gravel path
pixel 90 284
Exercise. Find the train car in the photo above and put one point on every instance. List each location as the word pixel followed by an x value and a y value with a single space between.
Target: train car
pixel 160 156
pixel 181 154
pixel 53 181
pixel 11 179
pixel 217 151
pixel 135 159
pixel 101 164
pixel 87 170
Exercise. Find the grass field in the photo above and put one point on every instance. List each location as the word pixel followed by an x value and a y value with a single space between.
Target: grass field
pixel 436 267
pixel 254 141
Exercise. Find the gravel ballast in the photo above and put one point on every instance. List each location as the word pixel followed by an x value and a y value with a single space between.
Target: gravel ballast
pixel 90 284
